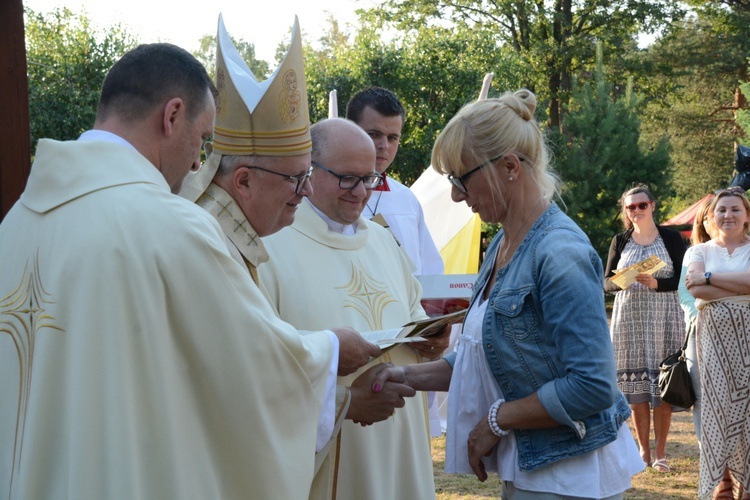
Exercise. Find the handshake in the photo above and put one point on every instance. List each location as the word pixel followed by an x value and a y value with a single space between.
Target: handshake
pixel 378 391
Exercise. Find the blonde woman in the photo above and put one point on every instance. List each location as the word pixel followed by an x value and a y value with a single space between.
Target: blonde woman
pixel 719 277
pixel 533 395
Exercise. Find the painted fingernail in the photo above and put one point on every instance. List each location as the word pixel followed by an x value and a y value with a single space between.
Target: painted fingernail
pixel 376 388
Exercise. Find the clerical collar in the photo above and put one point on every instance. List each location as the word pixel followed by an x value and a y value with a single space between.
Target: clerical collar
pixel 336 227
pixel 103 135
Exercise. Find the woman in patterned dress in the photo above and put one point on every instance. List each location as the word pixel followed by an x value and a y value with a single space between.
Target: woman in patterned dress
pixel 647 321
pixel 719 277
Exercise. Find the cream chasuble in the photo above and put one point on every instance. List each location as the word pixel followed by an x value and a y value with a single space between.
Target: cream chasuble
pixel 126 366
pixel 317 277
pixel 247 248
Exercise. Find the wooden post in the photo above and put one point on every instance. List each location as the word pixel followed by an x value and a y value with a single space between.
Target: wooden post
pixel 15 147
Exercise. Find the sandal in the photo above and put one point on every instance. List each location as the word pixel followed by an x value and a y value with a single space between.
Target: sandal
pixel 724 490
pixel 661 465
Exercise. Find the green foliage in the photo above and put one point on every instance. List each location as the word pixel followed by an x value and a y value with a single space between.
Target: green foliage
pixel 67 62
pixel 206 54
pixel 600 157
pixel 694 95
pixel 555 39
pixel 743 116
pixel 434 72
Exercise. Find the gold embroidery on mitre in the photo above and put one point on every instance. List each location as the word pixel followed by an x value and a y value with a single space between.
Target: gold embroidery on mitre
pixel 269 118
pixel 221 101
pixel 367 296
pixel 289 98
pixel 22 315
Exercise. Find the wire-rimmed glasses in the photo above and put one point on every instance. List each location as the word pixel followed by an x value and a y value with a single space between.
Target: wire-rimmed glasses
pixel 299 179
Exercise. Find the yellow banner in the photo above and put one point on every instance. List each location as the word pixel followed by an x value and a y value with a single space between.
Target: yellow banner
pixel 461 253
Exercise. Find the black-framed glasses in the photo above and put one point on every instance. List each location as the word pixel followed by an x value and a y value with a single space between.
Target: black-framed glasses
pixel 299 179
pixel 459 181
pixel 640 206
pixel 351 181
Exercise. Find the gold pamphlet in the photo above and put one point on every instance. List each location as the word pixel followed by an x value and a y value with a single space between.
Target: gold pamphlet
pixel 626 277
pixel 416 331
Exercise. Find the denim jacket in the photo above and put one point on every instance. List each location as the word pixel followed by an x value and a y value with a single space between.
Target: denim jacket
pixel 546 331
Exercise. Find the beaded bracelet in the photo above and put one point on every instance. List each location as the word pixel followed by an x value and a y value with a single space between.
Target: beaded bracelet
pixel 492 419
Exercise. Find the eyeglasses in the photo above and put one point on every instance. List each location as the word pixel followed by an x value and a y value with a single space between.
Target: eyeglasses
pixel 731 191
pixel 640 206
pixel 459 181
pixel 351 181
pixel 299 179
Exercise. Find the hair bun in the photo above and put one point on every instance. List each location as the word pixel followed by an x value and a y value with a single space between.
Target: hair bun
pixel 523 102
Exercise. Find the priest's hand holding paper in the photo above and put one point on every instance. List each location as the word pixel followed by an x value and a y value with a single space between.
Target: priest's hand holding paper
pixel 369 406
pixel 354 351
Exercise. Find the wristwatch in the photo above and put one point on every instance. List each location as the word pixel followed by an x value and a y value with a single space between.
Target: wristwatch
pixel 708 278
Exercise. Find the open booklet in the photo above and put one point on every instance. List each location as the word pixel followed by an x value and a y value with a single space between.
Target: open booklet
pixel 416 331
pixel 626 277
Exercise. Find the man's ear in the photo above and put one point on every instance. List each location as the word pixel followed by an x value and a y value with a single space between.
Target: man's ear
pixel 241 181
pixel 172 111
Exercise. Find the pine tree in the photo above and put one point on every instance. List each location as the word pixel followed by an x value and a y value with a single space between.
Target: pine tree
pixel 599 157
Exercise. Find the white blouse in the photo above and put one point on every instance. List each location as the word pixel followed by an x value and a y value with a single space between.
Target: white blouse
pixel 601 473
pixel 717 259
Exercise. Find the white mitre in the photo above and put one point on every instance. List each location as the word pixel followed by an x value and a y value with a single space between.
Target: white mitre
pixel 269 118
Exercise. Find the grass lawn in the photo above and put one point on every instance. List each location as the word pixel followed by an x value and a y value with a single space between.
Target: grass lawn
pixel 680 483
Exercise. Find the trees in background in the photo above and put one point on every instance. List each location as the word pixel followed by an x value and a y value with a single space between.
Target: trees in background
pixel 433 54
pixel 67 61
pixel 206 54
pixel 694 94
pixel 600 155
pixel 556 39
pixel 433 71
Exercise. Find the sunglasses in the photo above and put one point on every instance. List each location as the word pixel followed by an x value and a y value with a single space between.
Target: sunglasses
pixel 732 191
pixel 640 206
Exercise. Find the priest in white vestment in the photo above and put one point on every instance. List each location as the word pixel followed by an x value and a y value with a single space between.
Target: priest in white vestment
pixel 379 112
pixel 126 366
pixel 351 271
pixel 253 181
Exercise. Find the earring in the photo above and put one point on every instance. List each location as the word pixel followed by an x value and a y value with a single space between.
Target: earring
pixel 510 178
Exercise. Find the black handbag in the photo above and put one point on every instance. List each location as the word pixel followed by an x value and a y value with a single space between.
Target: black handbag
pixel 675 386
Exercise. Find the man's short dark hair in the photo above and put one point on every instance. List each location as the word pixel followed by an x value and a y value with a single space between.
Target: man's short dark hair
pixel 150 75
pixel 381 100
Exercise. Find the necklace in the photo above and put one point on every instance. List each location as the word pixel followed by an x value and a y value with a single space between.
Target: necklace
pixel 375 210
pixel 509 245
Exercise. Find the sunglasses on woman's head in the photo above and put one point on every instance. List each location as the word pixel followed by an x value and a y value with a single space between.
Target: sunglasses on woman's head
pixel 640 206
pixel 732 191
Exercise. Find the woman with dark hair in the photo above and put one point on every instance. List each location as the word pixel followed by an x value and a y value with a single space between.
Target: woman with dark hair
pixel 719 277
pixel 647 321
